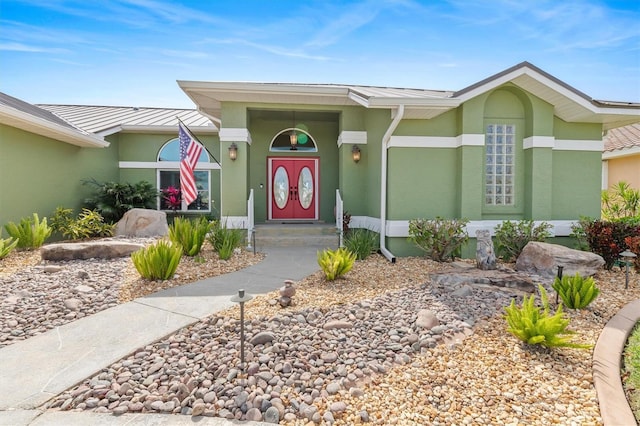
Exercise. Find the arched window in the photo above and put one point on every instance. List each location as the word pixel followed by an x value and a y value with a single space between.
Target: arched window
pixel 293 139
pixel 169 180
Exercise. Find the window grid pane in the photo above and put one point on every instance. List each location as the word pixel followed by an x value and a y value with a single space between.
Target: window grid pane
pixel 499 151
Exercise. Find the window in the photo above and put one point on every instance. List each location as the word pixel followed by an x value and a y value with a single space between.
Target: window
pixel 169 180
pixel 500 164
pixel 303 141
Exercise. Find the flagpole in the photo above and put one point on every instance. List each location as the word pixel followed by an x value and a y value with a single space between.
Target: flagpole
pixel 198 140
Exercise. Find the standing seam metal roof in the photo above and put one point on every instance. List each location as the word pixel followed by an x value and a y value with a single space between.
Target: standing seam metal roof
pixel 96 119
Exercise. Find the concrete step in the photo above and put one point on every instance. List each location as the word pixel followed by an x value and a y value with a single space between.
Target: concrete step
pixel 318 235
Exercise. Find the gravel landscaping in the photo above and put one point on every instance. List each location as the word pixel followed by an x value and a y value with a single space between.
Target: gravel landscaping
pixel 383 345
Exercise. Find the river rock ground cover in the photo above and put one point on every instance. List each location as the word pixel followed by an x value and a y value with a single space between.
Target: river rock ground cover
pixel 351 352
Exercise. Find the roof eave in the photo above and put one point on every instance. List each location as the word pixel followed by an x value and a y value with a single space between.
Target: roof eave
pixel 27 122
pixel 620 153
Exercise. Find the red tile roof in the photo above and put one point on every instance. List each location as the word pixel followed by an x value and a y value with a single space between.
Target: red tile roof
pixel 622 137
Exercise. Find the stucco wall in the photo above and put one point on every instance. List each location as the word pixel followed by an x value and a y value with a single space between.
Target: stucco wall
pixel 38 174
pixel 624 169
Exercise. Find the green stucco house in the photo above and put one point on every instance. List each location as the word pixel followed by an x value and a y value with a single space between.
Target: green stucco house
pixel 518 145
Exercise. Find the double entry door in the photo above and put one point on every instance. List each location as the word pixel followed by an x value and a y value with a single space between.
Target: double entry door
pixel 293 188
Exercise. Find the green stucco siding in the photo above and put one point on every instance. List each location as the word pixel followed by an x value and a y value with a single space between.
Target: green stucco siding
pixel 422 183
pixel 576 131
pixel 576 184
pixel 38 174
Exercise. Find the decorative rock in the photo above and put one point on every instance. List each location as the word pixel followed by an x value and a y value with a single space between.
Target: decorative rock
pixel 288 290
pixel 52 269
pixel 543 259
pixel 272 415
pixel 426 319
pixel 262 338
pixel 83 289
pixel 328 417
pixel 333 388
pixel 103 249
pixel 72 304
pixel 338 407
pixel 254 415
pixel 143 223
pixel 83 275
pixel 464 291
pixel 337 324
pixel 284 301
pixel 120 409
pixel 485 256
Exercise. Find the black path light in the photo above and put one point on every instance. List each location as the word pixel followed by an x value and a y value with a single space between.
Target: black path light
pixel 627 257
pixel 241 298
pixel 560 268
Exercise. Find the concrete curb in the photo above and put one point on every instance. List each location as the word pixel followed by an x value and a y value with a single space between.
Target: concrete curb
pixel 607 361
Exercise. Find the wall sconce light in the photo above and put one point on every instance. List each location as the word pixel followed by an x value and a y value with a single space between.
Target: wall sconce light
pixel 355 153
pixel 233 151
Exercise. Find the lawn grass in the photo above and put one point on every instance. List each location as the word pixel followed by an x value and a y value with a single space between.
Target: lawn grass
pixel 631 371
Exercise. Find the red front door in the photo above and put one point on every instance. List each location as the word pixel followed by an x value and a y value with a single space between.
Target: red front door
pixel 293 188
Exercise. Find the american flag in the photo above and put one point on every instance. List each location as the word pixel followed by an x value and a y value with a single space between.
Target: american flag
pixel 190 150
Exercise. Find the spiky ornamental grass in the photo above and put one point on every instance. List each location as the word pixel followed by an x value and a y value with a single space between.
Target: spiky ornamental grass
pixel 6 245
pixel 31 233
pixel 225 240
pixel 158 261
pixel 190 234
pixel 362 242
pixel 535 326
pixel 336 263
pixel 576 292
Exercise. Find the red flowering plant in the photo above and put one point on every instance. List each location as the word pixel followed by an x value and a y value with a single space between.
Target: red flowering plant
pixel 172 198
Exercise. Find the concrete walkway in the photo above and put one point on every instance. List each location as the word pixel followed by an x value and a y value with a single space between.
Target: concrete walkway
pixel 36 370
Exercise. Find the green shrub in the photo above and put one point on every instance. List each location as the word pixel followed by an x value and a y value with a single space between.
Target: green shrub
pixel 88 224
pixel 6 245
pixel 441 239
pixel 535 327
pixel 158 261
pixel 112 199
pixel 512 237
pixel 31 233
pixel 190 234
pixel 578 231
pixel 576 292
pixel 224 240
pixel 362 242
pixel 336 263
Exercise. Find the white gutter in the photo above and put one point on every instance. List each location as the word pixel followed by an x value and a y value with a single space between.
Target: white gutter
pixel 383 183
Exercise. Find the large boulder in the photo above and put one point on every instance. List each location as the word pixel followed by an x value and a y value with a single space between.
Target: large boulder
pixel 105 249
pixel 143 223
pixel 543 259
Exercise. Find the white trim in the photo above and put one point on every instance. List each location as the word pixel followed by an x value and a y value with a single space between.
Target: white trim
pixel 39 126
pixel 470 139
pixel 619 153
pixel 235 222
pixel 423 142
pixel 605 175
pixel 538 142
pixel 352 137
pixel 164 165
pixel 366 222
pixel 235 134
pixel 400 228
pixel 579 145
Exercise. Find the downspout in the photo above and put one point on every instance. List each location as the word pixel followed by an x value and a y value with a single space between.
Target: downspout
pixel 383 184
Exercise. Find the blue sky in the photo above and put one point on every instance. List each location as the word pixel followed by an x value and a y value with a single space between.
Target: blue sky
pixel 131 52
